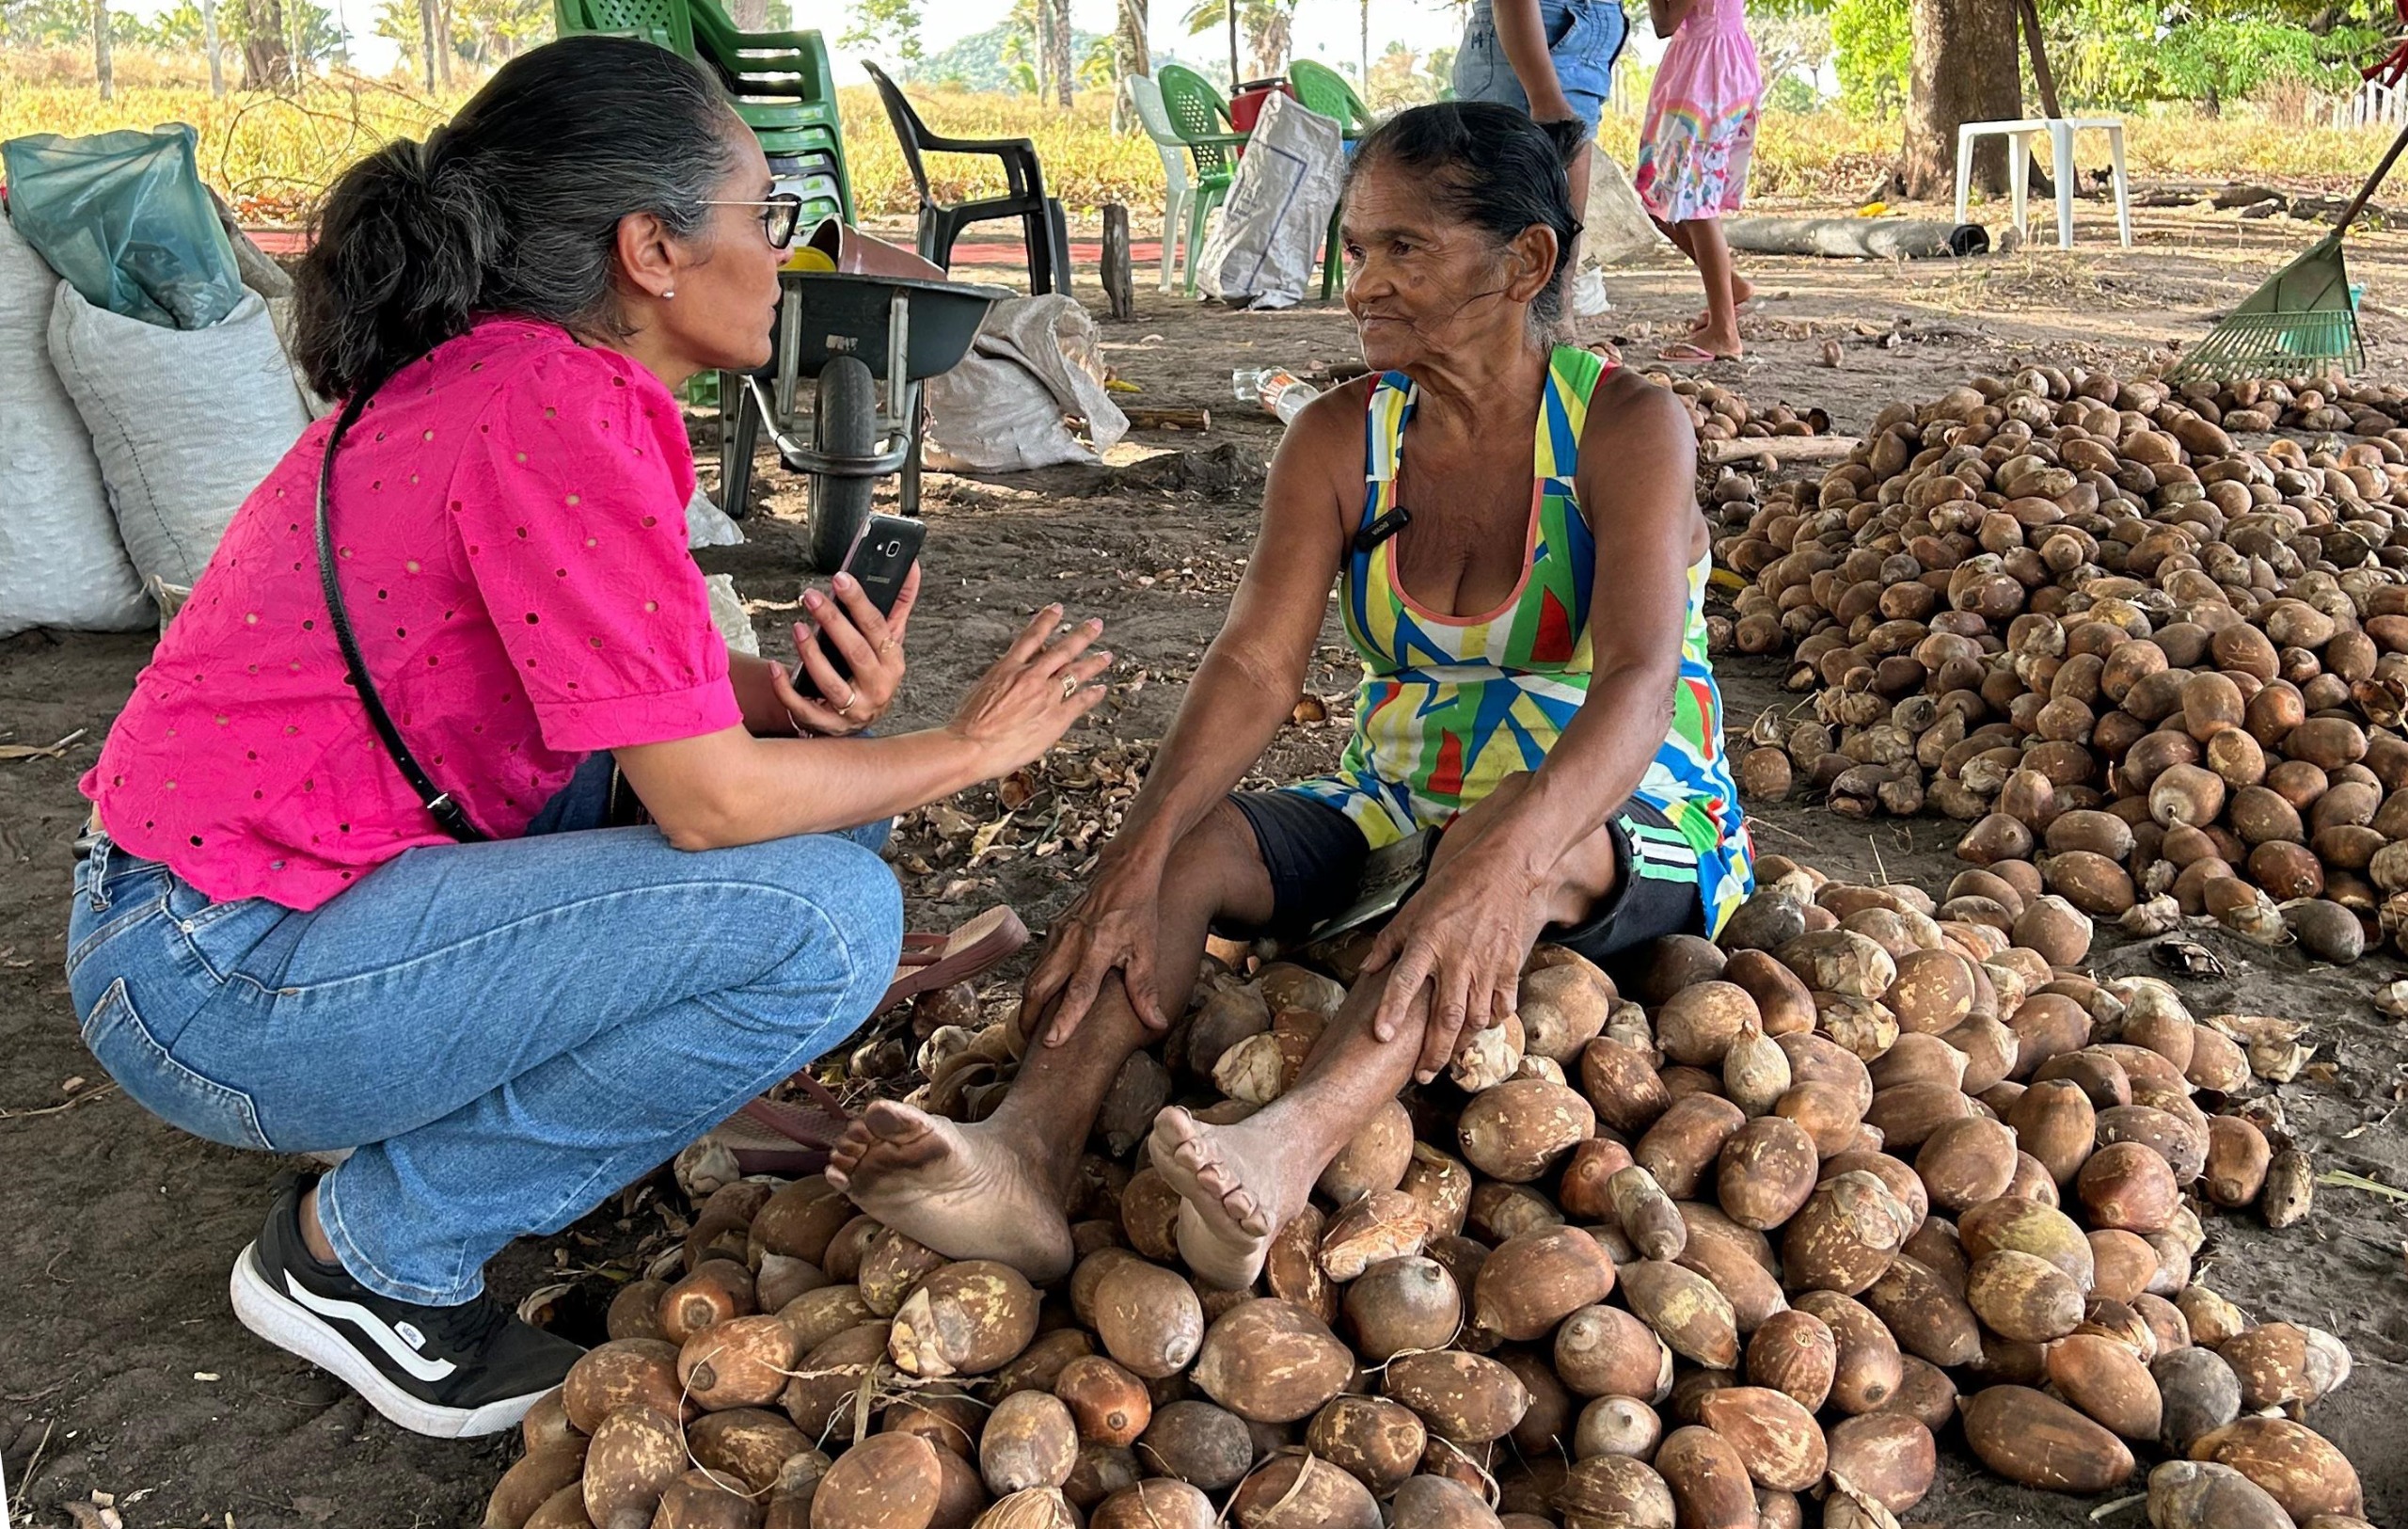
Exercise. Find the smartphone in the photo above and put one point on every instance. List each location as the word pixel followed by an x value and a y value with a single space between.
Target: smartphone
pixel 880 560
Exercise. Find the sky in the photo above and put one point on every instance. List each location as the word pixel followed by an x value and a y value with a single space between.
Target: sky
pixel 1325 29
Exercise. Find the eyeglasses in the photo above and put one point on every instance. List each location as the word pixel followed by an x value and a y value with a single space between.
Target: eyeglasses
pixel 781 216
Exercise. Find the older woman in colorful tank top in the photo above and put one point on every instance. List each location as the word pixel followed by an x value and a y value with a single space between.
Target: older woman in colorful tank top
pixel 1513 537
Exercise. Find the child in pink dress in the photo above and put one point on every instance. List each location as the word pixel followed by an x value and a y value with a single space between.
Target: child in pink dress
pixel 1693 154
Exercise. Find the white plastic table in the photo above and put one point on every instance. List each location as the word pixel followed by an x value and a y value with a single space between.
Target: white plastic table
pixel 2060 130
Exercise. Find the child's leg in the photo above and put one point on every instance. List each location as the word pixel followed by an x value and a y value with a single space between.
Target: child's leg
pixel 1721 333
pixel 1684 238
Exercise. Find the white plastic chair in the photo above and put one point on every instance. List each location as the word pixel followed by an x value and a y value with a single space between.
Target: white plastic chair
pixel 1176 189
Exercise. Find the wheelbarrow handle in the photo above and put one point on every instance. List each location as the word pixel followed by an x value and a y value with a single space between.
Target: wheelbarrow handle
pixel 2366 193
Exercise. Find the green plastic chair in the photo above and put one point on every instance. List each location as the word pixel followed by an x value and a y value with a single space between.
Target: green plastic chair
pixel 779 84
pixel 784 90
pixel 665 21
pixel 1322 89
pixel 656 20
pixel 1200 117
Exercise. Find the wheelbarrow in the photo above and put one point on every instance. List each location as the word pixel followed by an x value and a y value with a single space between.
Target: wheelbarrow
pixel 848 333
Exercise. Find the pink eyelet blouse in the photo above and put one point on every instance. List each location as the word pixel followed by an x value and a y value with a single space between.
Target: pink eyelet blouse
pixel 509 529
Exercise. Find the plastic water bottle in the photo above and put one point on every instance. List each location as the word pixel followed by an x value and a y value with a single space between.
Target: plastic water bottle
pixel 1277 390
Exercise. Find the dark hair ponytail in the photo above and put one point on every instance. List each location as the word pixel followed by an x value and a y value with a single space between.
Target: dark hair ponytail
pixel 1491 167
pixel 512 208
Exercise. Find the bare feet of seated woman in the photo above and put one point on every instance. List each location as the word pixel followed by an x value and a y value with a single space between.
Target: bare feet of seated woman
pixel 1526 589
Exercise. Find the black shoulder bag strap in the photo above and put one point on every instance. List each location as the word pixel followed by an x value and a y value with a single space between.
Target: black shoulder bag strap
pixel 438 803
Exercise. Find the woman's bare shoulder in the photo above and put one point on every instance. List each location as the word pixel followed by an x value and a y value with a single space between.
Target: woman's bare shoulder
pixel 1338 411
pixel 1327 436
pixel 1629 413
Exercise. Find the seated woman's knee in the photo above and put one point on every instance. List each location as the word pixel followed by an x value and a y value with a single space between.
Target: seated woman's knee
pixel 1221 858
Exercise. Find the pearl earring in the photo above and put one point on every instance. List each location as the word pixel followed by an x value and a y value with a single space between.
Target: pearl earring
pixel 669 293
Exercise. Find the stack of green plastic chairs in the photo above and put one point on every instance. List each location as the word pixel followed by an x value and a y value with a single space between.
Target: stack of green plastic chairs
pixel 780 83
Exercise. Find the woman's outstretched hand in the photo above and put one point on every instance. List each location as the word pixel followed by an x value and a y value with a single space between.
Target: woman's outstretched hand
pixel 1463 937
pixel 1039 687
pixel 871 643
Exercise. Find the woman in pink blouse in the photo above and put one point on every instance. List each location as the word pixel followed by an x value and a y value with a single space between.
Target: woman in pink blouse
pixel 506 1009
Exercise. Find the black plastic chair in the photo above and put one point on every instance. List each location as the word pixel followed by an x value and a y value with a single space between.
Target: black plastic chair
pixel 1047 236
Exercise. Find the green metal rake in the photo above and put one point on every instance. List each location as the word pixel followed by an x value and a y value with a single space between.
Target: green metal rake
pixel 2303 321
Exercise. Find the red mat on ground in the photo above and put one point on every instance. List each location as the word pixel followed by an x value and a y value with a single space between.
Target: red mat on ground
pixel 1085 254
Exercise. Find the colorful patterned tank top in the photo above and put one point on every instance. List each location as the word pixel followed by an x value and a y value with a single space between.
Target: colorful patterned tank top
pixel 1449 706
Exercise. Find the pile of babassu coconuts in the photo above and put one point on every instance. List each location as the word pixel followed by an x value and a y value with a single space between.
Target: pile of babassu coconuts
pixel 2073 612
pixel 1752 1241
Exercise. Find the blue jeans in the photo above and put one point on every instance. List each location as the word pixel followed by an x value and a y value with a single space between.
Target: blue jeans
pixel 1584 36
pixel 506 1031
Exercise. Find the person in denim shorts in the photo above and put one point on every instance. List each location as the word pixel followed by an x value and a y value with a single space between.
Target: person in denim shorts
pixel 1552 58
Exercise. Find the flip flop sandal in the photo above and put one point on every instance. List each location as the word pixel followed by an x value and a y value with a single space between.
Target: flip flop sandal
pixel 1686 354
pixel 789 1136
pixel 936 961
pixel 793 1137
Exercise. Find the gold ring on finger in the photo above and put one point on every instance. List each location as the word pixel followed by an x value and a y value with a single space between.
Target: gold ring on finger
pixel 846 709
pixel 1069 687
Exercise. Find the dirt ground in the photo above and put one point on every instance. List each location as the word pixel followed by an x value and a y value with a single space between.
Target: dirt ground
pixel 122 1369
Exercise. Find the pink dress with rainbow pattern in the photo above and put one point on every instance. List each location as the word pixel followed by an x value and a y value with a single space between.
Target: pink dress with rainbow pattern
pixel 1700 127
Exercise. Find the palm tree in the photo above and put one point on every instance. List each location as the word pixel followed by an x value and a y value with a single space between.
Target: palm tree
pixel 1265 23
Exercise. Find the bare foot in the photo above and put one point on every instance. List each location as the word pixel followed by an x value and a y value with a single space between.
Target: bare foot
pixel 1234 1194
pixel 963 1190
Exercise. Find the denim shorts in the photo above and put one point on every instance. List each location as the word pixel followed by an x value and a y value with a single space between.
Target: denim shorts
pixel 1584 37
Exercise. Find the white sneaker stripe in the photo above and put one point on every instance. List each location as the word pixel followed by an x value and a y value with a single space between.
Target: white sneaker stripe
pixel 360 1317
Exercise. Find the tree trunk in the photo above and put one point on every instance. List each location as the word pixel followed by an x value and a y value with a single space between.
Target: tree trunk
pixel 749 15
pixel 1057 48
pixel 1273 59
pixel 443 44
pixel 101 65
pixel 1134 56
pixel 2043 78
pixel 1964 70
pixel 208 45
pixel 1363 68
pixel 426 41
pixel 1130 56
pixel 267 62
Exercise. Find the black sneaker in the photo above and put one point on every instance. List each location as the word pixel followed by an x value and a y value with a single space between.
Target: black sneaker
pixel 448 1372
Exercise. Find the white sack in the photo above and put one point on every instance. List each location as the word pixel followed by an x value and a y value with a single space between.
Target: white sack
pixel 706 525
pixel 61 564
pixel 1001 410
pixel 280 313
pixel 734 623
pixel 1615 228
pixel 186 422
pixel 1263 245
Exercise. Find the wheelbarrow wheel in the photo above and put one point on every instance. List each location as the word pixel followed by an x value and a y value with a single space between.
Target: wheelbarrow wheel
pixel 844 422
